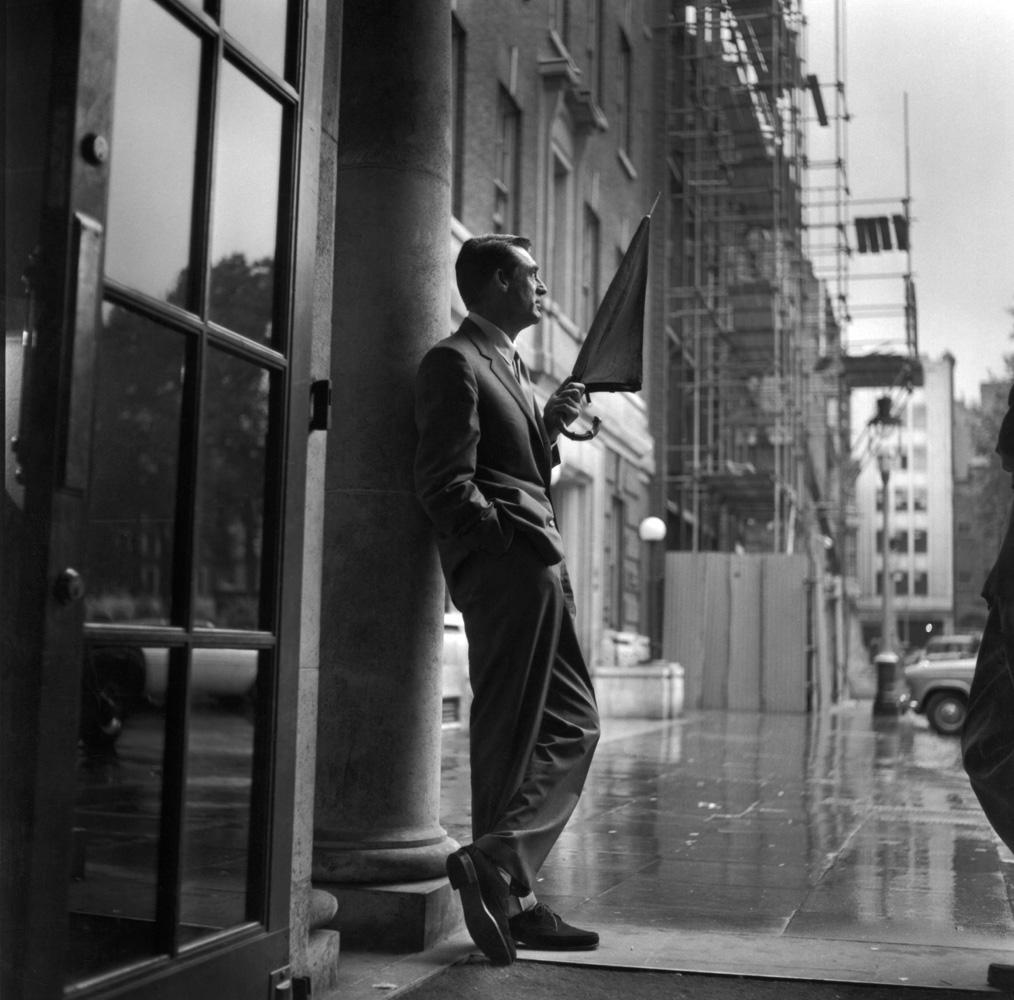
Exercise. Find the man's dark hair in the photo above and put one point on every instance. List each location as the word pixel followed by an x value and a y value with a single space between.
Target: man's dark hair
pixel 481 257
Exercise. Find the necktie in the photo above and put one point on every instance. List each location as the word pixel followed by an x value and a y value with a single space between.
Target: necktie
pixel 522 376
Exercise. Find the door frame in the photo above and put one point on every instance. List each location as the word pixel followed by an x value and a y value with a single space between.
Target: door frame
pixel 42 637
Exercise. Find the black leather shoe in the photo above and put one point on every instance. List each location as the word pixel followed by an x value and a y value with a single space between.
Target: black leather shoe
pixel 541 928
pixel 484 898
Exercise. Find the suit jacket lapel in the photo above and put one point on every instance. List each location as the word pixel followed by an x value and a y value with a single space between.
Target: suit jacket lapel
pixel 503 371
pixel 500 369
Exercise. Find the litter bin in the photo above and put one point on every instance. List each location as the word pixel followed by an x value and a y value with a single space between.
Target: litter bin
pixel 889 699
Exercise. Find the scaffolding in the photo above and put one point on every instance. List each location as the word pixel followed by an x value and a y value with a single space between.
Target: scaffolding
pixel 746 316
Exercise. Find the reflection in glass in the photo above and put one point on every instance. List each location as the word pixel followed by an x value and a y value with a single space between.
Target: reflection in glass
pixel 216 836
pixel 244 227
pixel 138 399
pixel 231 490
pixel 114 854
pixel 260 26
pixel 151 179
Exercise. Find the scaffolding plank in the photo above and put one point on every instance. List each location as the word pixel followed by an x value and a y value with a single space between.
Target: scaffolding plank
pixel 871 371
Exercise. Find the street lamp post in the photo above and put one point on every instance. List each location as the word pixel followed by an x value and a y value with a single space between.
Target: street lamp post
pixel 888 630
pixel 886 700
pixel 652 531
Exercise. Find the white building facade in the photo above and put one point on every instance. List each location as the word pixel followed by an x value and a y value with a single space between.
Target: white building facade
pixel 920 492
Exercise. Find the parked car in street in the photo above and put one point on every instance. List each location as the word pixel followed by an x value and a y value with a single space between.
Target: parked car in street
pixel 456 691
pixel 940 678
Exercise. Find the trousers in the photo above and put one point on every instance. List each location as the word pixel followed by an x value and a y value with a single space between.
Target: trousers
pixel 534 722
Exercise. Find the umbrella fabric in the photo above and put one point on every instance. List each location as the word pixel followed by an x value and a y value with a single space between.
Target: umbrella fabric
pixel 611 357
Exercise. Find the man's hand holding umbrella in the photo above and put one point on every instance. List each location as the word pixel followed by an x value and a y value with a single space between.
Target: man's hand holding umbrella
pixel 563 408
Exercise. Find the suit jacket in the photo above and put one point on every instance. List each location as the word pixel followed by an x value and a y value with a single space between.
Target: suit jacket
pixel 484 457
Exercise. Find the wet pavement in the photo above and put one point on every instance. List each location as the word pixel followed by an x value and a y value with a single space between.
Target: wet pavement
pixel 828 847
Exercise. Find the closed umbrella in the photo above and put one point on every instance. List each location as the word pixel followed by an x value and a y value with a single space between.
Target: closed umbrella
pixel 611 358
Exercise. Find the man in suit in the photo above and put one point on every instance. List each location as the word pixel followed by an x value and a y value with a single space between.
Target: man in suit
pixel 483 466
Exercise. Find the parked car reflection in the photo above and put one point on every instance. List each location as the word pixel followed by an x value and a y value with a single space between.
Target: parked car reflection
pixel 118 680
pixel 455 688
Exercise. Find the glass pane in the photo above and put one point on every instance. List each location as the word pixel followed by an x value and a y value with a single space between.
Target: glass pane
pixel 245 223
pixel 117 813
pixel 260 26
pixel 152 152
pixel 231 491
pixel 135 464
pixel 216 836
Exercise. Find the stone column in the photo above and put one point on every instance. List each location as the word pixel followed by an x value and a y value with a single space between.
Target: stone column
pixel 378 752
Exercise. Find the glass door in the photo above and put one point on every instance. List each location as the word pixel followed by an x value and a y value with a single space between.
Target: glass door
pixel 177 423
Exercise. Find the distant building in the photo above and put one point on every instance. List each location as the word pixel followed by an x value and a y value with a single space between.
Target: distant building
pixel 921 498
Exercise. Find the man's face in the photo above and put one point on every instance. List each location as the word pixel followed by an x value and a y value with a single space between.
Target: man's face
pixel 525 290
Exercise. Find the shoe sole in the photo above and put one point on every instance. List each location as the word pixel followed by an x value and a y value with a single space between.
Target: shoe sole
pixel 547 946
pixel 482 925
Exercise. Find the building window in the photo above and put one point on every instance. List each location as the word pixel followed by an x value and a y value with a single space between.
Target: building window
pixel 457 114
pixel 920 584
pixel 920 540
pixel 919 462
pixel 559 276
pixel 919 498
pixel 590 266
pixel 899 541
pixel 900 583
pixel 625 95
pixel 900 498
pixel 919 415
pixel 618 553
pixel 508 164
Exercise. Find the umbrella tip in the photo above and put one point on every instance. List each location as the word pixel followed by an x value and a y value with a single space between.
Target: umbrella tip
pixel 654 203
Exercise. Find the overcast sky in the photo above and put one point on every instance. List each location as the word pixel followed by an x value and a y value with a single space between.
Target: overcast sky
pixel 956 62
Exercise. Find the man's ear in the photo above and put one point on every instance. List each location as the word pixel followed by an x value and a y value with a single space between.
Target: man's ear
pixel 502 278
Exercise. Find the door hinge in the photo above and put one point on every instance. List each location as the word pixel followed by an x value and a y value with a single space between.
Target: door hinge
pixel 320 405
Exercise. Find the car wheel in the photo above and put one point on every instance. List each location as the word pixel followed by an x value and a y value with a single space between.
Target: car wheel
pixel 946 712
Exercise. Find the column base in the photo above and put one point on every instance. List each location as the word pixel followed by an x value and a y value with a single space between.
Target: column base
pixel 400 918
pixel 340 863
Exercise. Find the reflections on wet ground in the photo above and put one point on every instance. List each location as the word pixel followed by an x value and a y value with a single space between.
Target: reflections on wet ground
pixel 803 827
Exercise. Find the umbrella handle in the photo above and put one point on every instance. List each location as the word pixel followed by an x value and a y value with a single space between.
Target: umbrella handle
pixel 587 435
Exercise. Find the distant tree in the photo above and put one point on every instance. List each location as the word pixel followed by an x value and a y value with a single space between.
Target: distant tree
pixel 994 494
pixel 138 413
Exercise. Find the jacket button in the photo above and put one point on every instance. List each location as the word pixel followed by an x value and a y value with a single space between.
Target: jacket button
pixel 552 523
